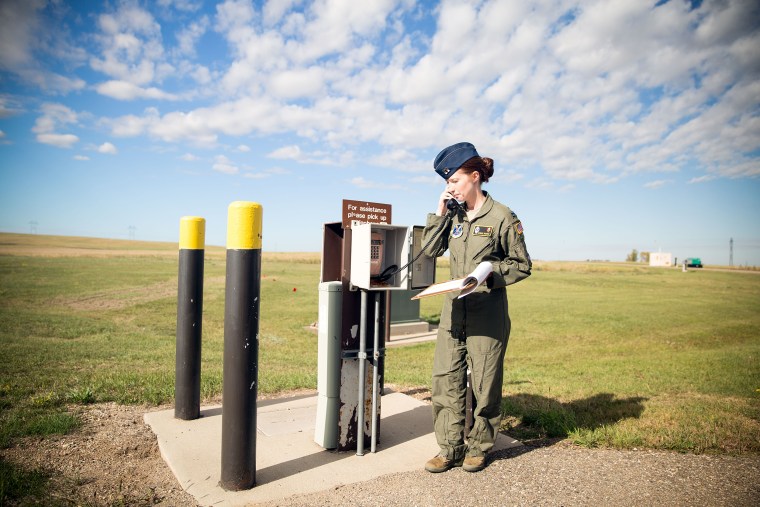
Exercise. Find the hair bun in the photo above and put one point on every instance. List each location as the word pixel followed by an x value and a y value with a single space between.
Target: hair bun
pixel 488 168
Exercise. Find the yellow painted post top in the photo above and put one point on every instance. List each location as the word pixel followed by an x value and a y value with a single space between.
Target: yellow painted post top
pixel 192 233
pixel 244 226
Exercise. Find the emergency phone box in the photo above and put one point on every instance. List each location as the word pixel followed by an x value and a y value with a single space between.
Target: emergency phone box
pixel 378 249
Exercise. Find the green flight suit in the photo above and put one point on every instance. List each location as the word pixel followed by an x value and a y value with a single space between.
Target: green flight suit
pixel 474 330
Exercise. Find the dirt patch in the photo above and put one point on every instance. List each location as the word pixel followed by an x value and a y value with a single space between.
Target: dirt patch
pixel 112 459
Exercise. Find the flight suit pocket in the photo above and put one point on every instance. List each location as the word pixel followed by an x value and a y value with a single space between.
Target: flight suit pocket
pixel 487 314
pixel 485 249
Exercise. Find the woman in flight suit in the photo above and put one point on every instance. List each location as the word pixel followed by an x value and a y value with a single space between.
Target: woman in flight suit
pixel 474 330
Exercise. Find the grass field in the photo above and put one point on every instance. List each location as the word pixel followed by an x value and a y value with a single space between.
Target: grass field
pixel 608 355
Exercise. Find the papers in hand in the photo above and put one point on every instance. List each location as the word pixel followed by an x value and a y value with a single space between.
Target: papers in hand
pixel 464 285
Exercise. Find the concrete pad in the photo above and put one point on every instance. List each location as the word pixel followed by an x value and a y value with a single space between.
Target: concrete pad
pixel 411 339
pixel 404 328
pixel 288 461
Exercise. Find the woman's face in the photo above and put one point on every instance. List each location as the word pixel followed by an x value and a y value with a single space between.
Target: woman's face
pixel 464 186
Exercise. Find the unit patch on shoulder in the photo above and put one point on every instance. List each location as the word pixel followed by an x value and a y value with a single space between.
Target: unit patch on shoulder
pixel 457 231
pixel 482 230
pixel 519 227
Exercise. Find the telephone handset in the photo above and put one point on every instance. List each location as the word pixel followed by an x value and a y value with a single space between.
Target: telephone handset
pixel 454 205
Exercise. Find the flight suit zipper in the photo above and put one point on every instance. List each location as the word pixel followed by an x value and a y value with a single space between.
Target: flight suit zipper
pixel 466 236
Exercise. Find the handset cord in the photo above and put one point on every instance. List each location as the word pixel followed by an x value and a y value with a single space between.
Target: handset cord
pixel 393 269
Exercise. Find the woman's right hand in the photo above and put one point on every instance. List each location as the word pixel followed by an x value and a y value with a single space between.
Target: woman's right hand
pixel 445 196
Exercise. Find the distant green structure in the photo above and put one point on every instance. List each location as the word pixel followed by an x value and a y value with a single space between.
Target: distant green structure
pixel 693 262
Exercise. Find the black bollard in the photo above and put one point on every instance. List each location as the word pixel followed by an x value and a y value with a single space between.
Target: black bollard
pixel 241 346
pixel 187 382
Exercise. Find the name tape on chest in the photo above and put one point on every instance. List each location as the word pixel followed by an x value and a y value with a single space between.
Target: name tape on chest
pixel 482 230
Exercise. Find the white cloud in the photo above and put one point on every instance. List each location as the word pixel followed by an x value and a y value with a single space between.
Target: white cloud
pixel 344 21
pixel 124 90
pixel 189 157
pixel 291 152
pixel 24 35
pixel 330 157
pixel 657 184
pixel 107 148
pixel 182 5
pixel 429 180
pixel 272 171
pixel 291 84
pixel 701 179
pixel 51 82
pixel 400 159
pixel 81 157
pixel 362 182
pixel 201 74
pixel 18 22
pixel 188 37
pixel 9 106
pixel 53 117
pixel 256 176
pixel 223 165
pixel 132 47
pixel 243 148
pixel 58 140
pixel 594 92
pixel 541 184
pixel 274 10
pixel 509 176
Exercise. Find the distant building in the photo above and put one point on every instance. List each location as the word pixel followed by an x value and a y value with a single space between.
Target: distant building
pixel 660 259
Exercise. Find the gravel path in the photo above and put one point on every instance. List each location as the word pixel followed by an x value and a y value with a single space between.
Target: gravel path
pixel 567 476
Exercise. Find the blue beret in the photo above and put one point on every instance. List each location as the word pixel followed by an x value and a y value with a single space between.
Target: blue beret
pixel 452 158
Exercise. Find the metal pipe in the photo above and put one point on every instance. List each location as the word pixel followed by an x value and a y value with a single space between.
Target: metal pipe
pixel 376 356
pixel 187 366
pixel 241 346
pixel 362 374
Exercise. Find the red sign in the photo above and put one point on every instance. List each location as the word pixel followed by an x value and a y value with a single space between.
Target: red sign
pixel 365 212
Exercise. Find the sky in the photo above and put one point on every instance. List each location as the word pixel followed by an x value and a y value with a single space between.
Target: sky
pixel 614 125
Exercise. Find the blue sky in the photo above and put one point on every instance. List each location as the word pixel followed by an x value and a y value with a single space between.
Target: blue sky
pixel 614 125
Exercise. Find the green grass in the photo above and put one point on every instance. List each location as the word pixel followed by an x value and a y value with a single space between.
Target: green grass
pixel 605 355
pixel 16 484
pixel 637 357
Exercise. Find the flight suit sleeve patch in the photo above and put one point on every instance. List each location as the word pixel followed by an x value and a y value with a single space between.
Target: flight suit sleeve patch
pixel 519 227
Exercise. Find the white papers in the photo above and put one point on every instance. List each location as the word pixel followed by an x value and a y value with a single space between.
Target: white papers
pixel 477 277
pixel 466 285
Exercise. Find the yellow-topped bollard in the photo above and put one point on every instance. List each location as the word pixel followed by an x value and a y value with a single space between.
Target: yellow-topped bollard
pixel 187 385
pixel 241 345
pixel 192 233
pixel 244 226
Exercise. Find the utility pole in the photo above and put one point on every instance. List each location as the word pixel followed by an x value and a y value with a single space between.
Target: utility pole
pixel 731 253
pixel 132 230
